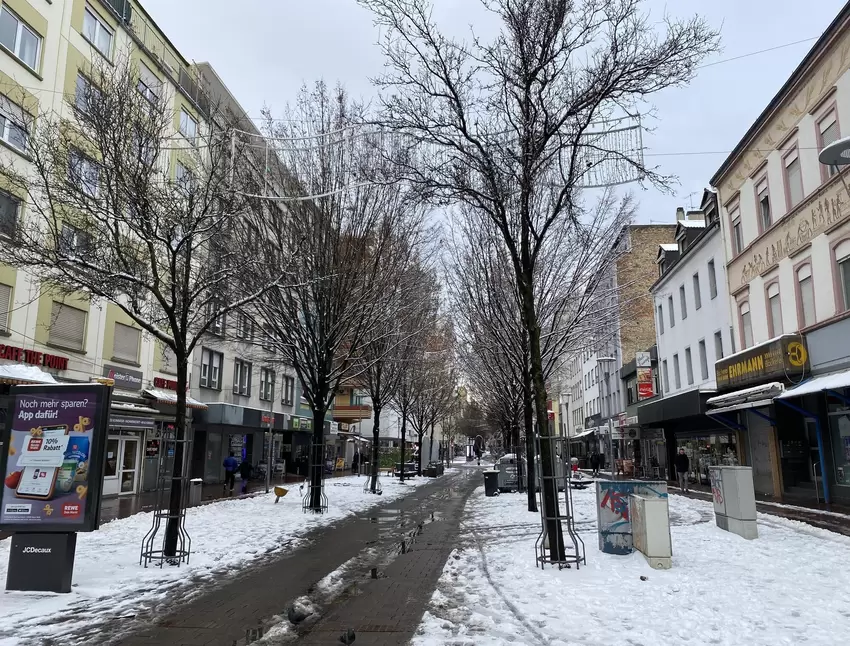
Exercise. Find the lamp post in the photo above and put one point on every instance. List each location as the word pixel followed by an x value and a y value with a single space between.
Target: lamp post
pixel 837 155
pixel 607 360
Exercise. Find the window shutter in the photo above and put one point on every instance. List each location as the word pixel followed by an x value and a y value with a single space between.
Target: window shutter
pixel 67 326
pixel 5 306
pixel 125 344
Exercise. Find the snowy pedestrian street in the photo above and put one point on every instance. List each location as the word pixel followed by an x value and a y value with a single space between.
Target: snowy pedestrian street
pixel 722 589
pixel 110 588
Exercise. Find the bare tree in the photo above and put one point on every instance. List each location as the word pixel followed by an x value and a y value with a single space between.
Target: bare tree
pixel 351 239
pixel 123 208
pixel 503 126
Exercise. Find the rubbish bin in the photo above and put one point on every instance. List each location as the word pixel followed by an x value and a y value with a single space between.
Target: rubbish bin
pixel 196 486
pixel 491 482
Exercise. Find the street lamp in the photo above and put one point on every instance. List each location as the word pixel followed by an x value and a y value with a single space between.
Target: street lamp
pixel 837 154
pixel 608 408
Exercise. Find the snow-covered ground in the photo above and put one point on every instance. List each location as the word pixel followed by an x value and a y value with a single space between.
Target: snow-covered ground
pixel 786 587
pixel 109 582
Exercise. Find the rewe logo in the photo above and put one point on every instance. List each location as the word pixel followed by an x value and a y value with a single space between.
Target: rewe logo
pixel 38 550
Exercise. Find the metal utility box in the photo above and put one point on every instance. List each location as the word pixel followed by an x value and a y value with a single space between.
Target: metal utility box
pixel 734 500
pixel 613 512
pixel 651 530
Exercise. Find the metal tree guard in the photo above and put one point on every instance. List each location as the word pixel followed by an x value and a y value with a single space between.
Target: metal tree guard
pixel 317 474
pixel 153 544
pixel 572 550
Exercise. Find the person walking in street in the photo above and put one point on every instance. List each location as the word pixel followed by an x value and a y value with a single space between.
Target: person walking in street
pixel 683 464
pixel 245 473
pixel 230 466
pixel 594 463
pixel 355 462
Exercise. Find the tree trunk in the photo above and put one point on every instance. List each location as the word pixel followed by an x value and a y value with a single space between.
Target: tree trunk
pixel 403 431
pixel 175 497
pixel 431 444
pixel 538 382
pixel 376 444
pixel 419 461
pixel 317 461
pixel 528 421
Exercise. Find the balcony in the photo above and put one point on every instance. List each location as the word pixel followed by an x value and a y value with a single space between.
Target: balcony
pixel 352 412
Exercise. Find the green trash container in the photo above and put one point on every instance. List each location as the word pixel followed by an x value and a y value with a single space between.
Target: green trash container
pixel 491 483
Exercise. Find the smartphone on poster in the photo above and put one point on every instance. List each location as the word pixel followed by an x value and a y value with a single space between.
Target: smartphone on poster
pixel 39 483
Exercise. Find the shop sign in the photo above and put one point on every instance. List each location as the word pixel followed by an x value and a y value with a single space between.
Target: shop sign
pixel 783 359
pixel 130 422
pixel 162 382
pixel 53 469
pixel 33 357
pixel 643 360
pixel 267 419
pixel 124 378
pixel 302 423
pixel 644 384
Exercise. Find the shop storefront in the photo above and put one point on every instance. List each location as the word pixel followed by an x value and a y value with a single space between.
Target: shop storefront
pixel 222 429
pixel 125 446
pixel 769 438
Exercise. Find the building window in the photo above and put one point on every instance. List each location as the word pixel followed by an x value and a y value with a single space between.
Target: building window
pixel 9 207
pixel 806 296
pixel 96 31
pixel 188 126
pixel 697 293
pixel 689 366
pixel 712 280
pixel 19 39
pixel 184 178
pixel 737 237
pixel 67 327
pixel 671 315
pixel 149 84
pixel 211 369
pixel 763 204
pixel 168 360
pixel 125 343
pixel 666 376
pixel 683 302
pixel 793 178
pixel 842 259
pixel 660 320
pixel 703 360
pixel 267 384
pixel 746 325
pixel 83 173
pixel 732 339
pixel 12 125
pixel 287 395
pixel 74 241
pixel 828 132
pixel 774 310
pixel 86 94
pixel 677 374
pixel 718 345
pixel 217 320
pixel 268 338
pixel 5 306
pixel 241 378
pixel 631 391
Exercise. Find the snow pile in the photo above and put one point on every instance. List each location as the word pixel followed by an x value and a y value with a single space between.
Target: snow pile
pixel 781 588
pixel 226 536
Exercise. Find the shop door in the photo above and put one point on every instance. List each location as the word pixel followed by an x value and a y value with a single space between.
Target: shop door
pixel 760 432
pixel 111 483
pixel 814 452
pixel 128 476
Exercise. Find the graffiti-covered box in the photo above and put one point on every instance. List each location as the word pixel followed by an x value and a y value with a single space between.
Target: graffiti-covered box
pixel 612 511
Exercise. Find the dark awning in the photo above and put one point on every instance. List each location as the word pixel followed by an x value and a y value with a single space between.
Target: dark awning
pixel 690 403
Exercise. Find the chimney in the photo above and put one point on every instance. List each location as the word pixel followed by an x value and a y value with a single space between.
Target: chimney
pixel 680 214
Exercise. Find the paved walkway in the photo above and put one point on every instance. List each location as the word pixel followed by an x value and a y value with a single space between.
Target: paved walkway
pixel 408 542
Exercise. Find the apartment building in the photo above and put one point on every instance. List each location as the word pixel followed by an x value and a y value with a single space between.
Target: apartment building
pixel 47 51
pixel 693 332
pixel 786 230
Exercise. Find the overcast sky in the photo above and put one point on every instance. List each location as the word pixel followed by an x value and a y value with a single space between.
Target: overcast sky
pixel 265 49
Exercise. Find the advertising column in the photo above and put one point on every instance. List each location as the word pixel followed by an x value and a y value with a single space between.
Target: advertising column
pixel 52 478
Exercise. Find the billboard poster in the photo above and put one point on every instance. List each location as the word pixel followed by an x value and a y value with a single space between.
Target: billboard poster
pixel 644 383
pixel 53 469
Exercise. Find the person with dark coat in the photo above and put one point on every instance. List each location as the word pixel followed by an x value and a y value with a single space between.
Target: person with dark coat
pixel 594 463
pixel 230 466
pixel 245 473
pixel 682 464
pixel 355 462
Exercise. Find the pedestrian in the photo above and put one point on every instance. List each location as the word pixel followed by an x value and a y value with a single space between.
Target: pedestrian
pixel 594 463
pixel 230 465
pixel 245 473
pixel 682 466
pixel 355 462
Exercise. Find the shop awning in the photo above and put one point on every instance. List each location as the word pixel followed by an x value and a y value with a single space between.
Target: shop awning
pixel 169 397
pixel 133 408
pixel 831 381
pixel 755 397
pixel 18 373
pixel 578 436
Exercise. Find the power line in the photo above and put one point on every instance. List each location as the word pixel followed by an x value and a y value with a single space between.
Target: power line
pixel 756 53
